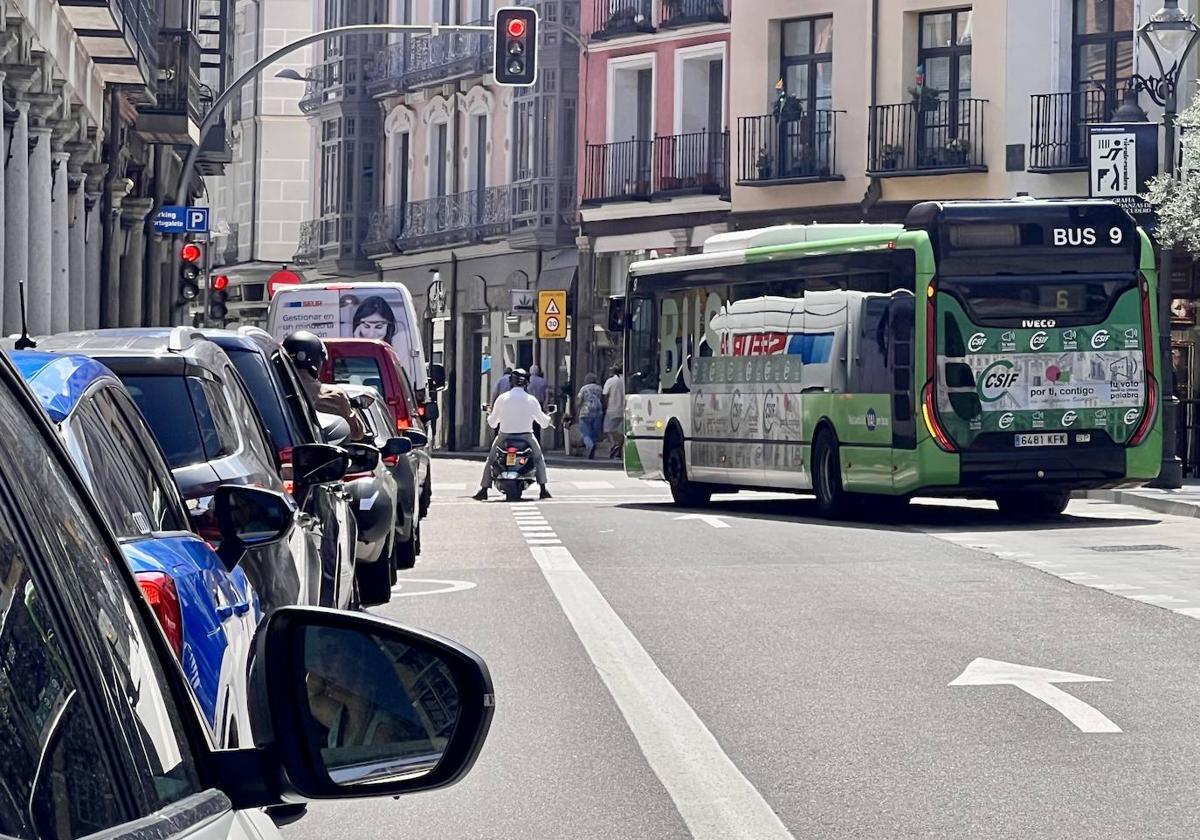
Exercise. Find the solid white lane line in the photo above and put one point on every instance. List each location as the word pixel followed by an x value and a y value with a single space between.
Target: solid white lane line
pixel 715 800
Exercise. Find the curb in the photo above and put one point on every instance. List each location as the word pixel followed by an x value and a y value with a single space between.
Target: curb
pixel 551 460
pixel 1170 507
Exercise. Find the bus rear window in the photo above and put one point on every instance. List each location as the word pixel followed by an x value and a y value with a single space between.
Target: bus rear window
pixel 1024 296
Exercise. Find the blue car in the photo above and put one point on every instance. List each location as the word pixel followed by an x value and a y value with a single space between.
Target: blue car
pixel 206 606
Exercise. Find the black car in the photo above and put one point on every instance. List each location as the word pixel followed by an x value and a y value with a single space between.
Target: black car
pixel 205 421
pixel 99 734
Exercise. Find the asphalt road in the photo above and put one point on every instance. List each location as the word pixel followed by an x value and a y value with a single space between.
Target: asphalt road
pixel 765 674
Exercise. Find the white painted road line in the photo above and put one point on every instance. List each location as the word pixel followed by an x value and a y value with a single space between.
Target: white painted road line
pixel 1039 683
pixel 714 521
pixel 715 800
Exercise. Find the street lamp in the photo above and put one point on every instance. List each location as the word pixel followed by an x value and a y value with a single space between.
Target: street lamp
pixel 290 74
pixel 1170 35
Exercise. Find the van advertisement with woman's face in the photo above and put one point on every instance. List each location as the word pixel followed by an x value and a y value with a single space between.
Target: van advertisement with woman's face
pixel 333 313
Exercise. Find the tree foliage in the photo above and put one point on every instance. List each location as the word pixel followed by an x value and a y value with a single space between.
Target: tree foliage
pixel 1177 199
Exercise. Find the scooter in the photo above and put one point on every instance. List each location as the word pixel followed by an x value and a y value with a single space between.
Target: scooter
pixel 513 471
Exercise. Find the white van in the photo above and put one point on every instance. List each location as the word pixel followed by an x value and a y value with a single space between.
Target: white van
pixel 354 310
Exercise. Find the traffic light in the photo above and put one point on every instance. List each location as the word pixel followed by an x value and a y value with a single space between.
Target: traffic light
pixel 218 293
pixel 516 46
pixel 189 271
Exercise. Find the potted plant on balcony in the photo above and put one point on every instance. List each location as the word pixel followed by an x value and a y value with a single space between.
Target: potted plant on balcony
pixel 788 108
pixel 889 156
pixel 956 151
pixel 925 99
pixel 763 164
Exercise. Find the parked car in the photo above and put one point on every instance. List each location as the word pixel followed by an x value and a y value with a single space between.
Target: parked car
pixel 99 733
pixel 355 361
pixel 203 418
pixel 291 422
pixel 393 481
pixel 206 606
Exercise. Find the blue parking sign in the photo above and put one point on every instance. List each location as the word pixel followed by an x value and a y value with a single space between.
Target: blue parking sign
pixel 170 219
pixel 197 220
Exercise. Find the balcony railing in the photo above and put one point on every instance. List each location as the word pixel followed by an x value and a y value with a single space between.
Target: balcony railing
pixel 613 18
pixel 775 149
pixel 308 249
pixel 1058 128
pixel 637 170
pixel 179 105
pixel 675 13
pixel 388 69
pixel 691 163
pixel 927 137
pixel 433 59
pixel 470 216
pixel 385 227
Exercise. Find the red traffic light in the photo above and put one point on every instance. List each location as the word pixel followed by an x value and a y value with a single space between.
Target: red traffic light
pixel 516 27
pixel 220 283
pixel 190 252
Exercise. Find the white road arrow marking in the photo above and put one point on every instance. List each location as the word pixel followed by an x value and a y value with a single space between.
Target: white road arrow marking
pixel 714 521
pixel 1039 683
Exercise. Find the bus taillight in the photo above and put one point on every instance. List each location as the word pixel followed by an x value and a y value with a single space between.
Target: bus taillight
pixel 1147 422
pixel 929 413
pixel 1144 427
pixel 928 400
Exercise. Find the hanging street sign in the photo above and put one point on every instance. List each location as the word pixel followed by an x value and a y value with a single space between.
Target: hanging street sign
pixel 1122 158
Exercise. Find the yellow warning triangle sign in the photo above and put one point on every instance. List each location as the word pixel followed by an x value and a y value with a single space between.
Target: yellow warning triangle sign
pixel 552 307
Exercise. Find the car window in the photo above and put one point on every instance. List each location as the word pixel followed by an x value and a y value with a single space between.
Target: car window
pixel 149 467
pixel 217 399
pixel 184 429
pixel 142 727
pixel 257 376
pixel 247 418
pixel 358 370
pixel 380 421
pixel 303 414
pixel 409 394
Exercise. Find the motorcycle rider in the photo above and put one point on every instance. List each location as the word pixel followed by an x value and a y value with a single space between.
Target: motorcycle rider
pixel 513 414
pixel 309 354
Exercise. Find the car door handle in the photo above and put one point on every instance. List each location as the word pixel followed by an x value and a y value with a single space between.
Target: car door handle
pixel 225 613
pixel 242 607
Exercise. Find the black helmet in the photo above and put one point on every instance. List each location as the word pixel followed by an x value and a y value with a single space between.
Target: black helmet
pixel 519 378
pixel 307 351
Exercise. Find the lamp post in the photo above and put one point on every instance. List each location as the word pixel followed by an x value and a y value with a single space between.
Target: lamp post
pixel 1170 35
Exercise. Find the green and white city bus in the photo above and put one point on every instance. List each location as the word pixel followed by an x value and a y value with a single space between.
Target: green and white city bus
pixel 985 349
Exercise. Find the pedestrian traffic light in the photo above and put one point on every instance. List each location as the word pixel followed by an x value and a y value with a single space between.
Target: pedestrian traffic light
pixel 217 295
pixel 189 271
pixel 515 61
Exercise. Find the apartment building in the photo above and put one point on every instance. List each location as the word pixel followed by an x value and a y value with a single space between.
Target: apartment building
pixel 653 149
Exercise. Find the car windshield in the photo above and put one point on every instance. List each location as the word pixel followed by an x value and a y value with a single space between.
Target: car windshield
pixel 253 369
pixel 178 414
pixel 358 370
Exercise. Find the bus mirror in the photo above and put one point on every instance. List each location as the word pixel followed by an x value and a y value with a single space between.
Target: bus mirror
pixel 959 375
pixel 616 314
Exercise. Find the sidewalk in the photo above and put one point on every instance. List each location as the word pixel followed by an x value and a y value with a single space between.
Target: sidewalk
pixel 554 458
pixel 1182 502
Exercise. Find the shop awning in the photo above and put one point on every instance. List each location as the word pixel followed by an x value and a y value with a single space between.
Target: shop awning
pixel 559 272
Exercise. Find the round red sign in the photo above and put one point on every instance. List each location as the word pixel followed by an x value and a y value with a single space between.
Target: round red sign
pixel 282 278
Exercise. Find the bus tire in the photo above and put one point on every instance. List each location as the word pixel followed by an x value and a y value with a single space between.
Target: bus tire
pixel 832 500
pixel 1044 504
pixel 685 493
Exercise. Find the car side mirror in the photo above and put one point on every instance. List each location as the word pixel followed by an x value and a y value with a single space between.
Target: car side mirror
pixel 616 314
pixel 346 705
pixel 364 458
pixel 318 463
pixel 416 438
pixel 249 517
pixel 397 446
pixel 437 374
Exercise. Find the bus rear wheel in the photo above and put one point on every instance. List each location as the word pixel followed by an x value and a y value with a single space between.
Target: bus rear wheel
pixel 1034 504
pixel 685 493
pixel 832 500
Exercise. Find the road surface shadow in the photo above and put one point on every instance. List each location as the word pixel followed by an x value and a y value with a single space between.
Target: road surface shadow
pixel 923 514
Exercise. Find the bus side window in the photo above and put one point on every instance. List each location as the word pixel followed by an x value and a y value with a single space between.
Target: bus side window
pixel 643 338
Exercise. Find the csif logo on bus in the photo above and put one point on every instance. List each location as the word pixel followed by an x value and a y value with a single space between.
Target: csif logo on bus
pixel 1006 420
pixel 1068 419
pixel 1132 415
pixel 1038 340
pixel 1099 339
pixel 977 342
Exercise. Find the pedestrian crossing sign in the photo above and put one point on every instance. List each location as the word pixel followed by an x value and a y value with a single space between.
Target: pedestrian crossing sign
pixel 552 314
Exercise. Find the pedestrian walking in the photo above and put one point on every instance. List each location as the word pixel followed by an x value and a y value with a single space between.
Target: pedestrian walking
pixel 614 410
pixel 589 405
pixel 539 390
pixel 503 383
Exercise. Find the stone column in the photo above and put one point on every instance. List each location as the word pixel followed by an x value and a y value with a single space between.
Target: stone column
pixel 133 284
pixel 37 291
pixel 94 239
pixel 60 244
pixel 16 217
pixel 111 305
pixel 154 306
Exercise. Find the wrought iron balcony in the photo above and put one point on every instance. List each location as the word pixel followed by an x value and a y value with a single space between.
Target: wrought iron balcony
pixel 385 227
pixel 388 69
pixel 434 59
pixel 638 170
pixel 471 216
pixel 174 118
pixel 1058 127
pixel 308 249
pixel 780 149
pixel 614 18
pixel 676 13
pixel 927 136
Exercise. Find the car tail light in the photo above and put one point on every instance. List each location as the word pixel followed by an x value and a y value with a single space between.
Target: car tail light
pixel 285 455
pixel 403 424
pixel 1147 421
pixel 160 593
pixel 289 486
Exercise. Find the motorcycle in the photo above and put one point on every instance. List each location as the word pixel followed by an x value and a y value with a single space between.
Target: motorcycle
pixel 513 471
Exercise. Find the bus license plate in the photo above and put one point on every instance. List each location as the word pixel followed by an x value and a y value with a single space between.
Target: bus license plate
pixel 1042 439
